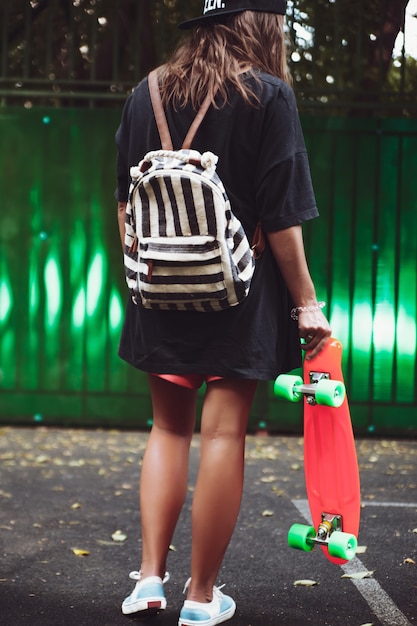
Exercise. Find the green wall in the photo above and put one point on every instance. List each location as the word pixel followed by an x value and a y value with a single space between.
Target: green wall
pixel 62 290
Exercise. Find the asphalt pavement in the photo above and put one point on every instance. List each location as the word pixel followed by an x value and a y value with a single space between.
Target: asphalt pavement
pixel 69 533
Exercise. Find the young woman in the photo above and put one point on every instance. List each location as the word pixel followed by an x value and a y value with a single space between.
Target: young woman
pixel 235 53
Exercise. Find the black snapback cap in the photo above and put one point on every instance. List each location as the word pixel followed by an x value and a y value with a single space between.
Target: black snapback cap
pixel 216 9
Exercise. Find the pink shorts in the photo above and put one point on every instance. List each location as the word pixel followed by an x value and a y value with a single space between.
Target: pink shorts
pixel 191 381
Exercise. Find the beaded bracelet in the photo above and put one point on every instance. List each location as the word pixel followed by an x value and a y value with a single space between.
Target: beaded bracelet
pixel 301 309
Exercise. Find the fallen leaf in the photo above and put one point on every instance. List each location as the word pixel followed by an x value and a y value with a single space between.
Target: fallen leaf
pixel 305 583
pixel 119 536
pixel 79 552
pixel 42 458
pixel 359 575
pixel 267 513
pixel 268 479
pixel 172 548
pixel 409 561
pixel 7 456
pixel 76 505
pixel 368 624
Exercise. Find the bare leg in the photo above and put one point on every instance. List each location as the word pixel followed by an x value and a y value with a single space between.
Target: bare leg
pixel 219 485
pixel 164 474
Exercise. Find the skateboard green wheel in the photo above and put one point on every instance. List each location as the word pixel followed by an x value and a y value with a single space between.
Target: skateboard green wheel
pixel 342 545
pixel 330 392
pixel 300 537
pixel 286 385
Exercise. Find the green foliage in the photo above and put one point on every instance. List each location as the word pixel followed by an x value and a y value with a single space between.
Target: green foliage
pixel 402 77
pixel 64 51
pixel 91 39
pixel 342 53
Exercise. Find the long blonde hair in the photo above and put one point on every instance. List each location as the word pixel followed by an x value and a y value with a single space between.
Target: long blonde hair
pixel 213 57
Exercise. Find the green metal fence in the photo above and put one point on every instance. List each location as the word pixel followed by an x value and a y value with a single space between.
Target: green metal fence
pixel 62 291
pixel 363 172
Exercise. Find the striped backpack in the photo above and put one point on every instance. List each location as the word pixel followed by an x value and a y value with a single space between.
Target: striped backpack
pixel 184 248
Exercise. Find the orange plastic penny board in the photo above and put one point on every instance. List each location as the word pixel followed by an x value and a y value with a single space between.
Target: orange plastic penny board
pixel 330 461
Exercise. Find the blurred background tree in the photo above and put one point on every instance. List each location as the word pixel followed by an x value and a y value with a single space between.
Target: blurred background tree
pixel 341 50
pixel 346 47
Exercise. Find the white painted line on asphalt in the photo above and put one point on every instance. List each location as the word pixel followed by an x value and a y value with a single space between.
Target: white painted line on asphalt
pixel 377 599
pixel 399 505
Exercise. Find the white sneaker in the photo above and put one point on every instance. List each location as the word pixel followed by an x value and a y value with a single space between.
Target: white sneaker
pixel 219 610
pixel 148 595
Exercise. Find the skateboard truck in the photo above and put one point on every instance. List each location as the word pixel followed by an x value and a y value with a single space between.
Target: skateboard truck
pixel 310 390
pixel 321 390
pixel 329 524
pixel 329 534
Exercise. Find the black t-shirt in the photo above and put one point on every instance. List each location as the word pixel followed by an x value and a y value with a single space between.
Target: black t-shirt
pixel 264 167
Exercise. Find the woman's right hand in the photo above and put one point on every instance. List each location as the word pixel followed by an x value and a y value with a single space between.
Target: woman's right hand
pixel 314 330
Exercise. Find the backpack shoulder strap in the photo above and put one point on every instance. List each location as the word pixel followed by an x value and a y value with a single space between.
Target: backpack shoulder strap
pixel 161 120
pixel 158 110
pixel 196 123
